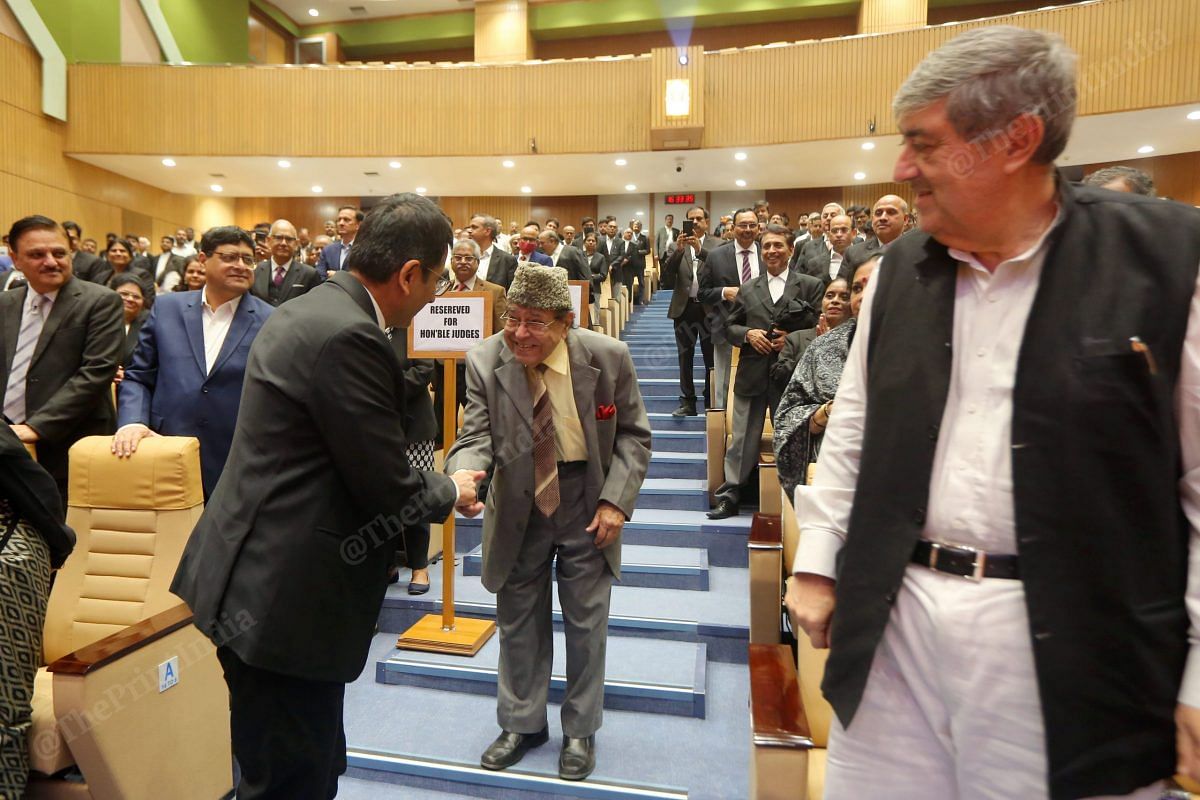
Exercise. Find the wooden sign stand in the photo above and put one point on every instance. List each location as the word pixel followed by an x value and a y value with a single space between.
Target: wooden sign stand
pixel 446 633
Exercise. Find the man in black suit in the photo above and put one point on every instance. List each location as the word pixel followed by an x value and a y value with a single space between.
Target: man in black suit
pixel 887 221
pixel 564 255
pixel 637 266
pixel 597 266
pixel 767 309
pixel 167 268
pixel 831 263
pixel 283 276
pixel 819 239
pixel 495 265
pixel 620 261
pixel 728 268
pixel 287 567
pixel 82 262
pixel 62 337
pixel 665 237
pixel 681 266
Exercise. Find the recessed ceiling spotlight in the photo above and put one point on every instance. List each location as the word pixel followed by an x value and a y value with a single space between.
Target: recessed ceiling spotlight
pixel 629 187
pixel 168 162
pixel 284 163
pixel 860 176
pixel 318 189
pixel 868 145
pixel 1195 115
pixel 312 12
pixel 620 162
pixel 740 182
pixel 1144 149
pixel 394 164
pixel 683 59
pixel 526 189
pixel 739 156
pixel 216 187
pixel 508 163
pixel 421 190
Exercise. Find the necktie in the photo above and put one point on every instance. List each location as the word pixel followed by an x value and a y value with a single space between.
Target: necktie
pixel 462 287
pixel 745 265
pixel 345 255
pixel 27 338
pixel 278 279
pixel 545 468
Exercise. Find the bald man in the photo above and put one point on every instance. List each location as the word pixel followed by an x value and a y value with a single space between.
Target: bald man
pixel 283 277
pixel 887 220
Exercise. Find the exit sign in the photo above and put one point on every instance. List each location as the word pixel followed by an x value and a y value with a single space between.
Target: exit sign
pixel 680 199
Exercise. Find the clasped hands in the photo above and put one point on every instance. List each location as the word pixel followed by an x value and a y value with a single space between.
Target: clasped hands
pixel 467 481
pixel 759 341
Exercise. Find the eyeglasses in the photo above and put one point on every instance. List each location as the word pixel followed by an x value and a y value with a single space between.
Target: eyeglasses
pixel 232 257
pixel 463 259
pixel 443 285
pixel 288 239
pixel 129 295
pixel 531 325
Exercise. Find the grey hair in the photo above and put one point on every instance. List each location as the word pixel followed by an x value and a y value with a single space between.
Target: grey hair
pixel 1137 181
pixel 490 223
pixel 990 76
pixel 550 233
pixel 475 251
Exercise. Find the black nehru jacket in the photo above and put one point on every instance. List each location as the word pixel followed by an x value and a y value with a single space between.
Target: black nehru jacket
pixel 1095 446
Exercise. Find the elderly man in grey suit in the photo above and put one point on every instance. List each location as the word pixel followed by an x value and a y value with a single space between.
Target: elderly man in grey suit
pixel 557 413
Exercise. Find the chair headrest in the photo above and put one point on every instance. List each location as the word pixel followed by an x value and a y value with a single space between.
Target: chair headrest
pixel 163 474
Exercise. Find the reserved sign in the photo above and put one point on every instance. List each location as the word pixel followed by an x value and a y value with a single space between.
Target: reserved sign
pixel 580 300
pixel 451 325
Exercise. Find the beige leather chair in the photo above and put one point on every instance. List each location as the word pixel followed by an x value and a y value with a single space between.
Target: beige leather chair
pixel 112 622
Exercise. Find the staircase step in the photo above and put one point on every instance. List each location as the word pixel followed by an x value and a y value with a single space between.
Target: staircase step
pixel 641 565
pixel 665 387
pixel 665 404
pixel 678 465
pixel 674 493
pixel 649 676
pixel 664 421
pixel 678 441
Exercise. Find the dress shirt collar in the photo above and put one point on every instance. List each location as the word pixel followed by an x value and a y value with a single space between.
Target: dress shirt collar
pixel 31 295
pixel 559 360
pixel 969 258
pixel 276 265
pixel 229 306
pixel 472 282
pixel 378 310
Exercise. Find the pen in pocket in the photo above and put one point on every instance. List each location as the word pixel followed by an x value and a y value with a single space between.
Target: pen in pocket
pixel 1138 346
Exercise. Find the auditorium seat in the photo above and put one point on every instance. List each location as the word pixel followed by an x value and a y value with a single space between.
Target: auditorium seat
pixel 111 627
pixel 765 559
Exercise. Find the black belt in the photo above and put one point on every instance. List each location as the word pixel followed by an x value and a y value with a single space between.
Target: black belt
pixel 965 561
pixel 571 466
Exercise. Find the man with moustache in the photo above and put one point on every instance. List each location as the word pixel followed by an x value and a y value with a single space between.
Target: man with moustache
pixel 681 267
pixel 887 221
pixel 727 268
pixel 282 277
pixel 496 265
pixel 831 263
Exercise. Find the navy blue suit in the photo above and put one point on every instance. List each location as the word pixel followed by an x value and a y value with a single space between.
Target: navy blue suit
pixel 330 258
pixel 167 388
pixel 537 257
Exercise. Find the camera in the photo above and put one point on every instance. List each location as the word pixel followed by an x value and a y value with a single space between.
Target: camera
pixel 679 167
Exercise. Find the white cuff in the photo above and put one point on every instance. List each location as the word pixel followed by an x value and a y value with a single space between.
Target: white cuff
pixel 817 553
pixel 1189 689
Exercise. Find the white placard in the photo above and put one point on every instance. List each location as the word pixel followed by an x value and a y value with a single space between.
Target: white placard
pixel 450 326
pixel 576 302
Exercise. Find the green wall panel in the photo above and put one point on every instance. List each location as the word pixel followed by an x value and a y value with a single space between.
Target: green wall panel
pixel 210 31
pixel 86 31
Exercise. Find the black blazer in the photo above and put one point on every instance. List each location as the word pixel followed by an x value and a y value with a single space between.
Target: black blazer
pixel 859 252
pixel 720 271
pixel 501 267
pixel 422 421
pixel 33 495
pixel 598 270
pixel 288 565
pixel 678 268
pixel 798 308
pixel 177 264
pixel 102 273
pixel 298 279
pixel 818 267
pixel 82 264
pixel 67 394
pixel 575 263
pixel 793 348
pixel 131 339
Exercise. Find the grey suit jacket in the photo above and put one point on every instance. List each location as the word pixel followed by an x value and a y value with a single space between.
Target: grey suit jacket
pixel 497 434
pixel 67 389
pixel 661 244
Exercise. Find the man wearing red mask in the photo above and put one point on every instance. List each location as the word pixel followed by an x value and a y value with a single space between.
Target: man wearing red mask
pixel 527 248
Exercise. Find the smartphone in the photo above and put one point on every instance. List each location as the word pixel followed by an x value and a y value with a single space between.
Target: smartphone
pixel 689 227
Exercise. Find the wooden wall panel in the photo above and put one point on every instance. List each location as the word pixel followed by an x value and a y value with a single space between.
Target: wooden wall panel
pixel 887 16
pixel 568 210
pixel 868 194
pixel 1175 176
pixel 802 201
pixel 303 212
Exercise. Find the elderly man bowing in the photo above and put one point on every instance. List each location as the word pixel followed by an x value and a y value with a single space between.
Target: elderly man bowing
pixel 558 414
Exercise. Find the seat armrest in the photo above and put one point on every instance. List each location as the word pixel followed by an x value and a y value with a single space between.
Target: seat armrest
pixel 123 642
pixel 766 578
pixel 714 429
pixel 776 708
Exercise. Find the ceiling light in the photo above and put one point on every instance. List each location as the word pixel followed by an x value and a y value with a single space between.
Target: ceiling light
pixel 317 189
pixel 421 190
pixel 641 213
pixel 216 187
pixel 739 156
pixel 620 162
pixel 526 190
pixel 284 163
pixel 868 145
pixel 312 12
pixel 394 164
pixel 508 163
pixel 168 162
pixel 860 176
pixel 1144 149
pixel 629 187
pixel 1195 115
pixel 683 59
pixel 740 182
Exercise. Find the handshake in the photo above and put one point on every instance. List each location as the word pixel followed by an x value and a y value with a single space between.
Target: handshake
pixel 467 481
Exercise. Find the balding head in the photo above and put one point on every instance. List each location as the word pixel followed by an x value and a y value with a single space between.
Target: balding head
pixel 887 217
pixel 282 241
pixel 841 232
pixel 830 211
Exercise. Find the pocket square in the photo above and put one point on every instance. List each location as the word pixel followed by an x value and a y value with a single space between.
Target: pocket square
pixel 606 412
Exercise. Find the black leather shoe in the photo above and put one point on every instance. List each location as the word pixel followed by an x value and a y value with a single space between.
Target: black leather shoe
pixel 577 759
pixel 724 510
pixel 417 588
pixel 509 748
pixel 685 410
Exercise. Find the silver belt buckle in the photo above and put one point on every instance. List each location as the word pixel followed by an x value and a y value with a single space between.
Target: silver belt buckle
pixel 977 566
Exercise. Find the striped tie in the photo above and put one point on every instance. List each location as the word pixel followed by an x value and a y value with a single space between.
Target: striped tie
pixel 745 266
pixel 545 469
pixel 27 339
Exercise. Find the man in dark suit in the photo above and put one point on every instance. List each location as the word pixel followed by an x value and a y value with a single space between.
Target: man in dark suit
pixel 682 264
pixel 283 276
pixel 187 370
pixel 495 265
pixel 727 269
pixel 333 257
pixel 597 266
pixel 564 255
pixel 887 221
pixel 559 494
pixel 620 262
pixel 828 264
pixel 62 338
pixel 287 567
pixel 167 268
pixel 527 247
pixel 664 237
pixel 637 266
pixel 82 262
pixel 819 238
pixel 767 309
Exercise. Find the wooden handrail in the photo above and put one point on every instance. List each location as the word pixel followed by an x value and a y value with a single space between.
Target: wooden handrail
pixel 766 530
pixel 776 709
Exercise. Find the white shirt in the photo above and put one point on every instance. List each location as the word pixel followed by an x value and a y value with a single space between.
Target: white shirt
pixel 216 327
pixel 485 260
pixel 670 233
pixel 345 253
pixel 557 252
pixel 184 251
pixel 835 263
pixel 737 261
pixel 378 311
pixel 776 284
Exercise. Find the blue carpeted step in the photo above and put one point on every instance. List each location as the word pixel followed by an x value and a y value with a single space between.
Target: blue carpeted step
pixel 678 441
pixel 665 404
pixel 404 739
pixel 647 675
pixel 663 421
pixel 641 565
pixel 725 540
pixel 667 369
pixel 665 387
pixel 674 493
pixel 659 355
pixel 678 465
pixel 717 618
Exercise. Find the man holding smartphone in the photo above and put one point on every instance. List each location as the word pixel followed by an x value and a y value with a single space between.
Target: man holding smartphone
pixel 681 273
